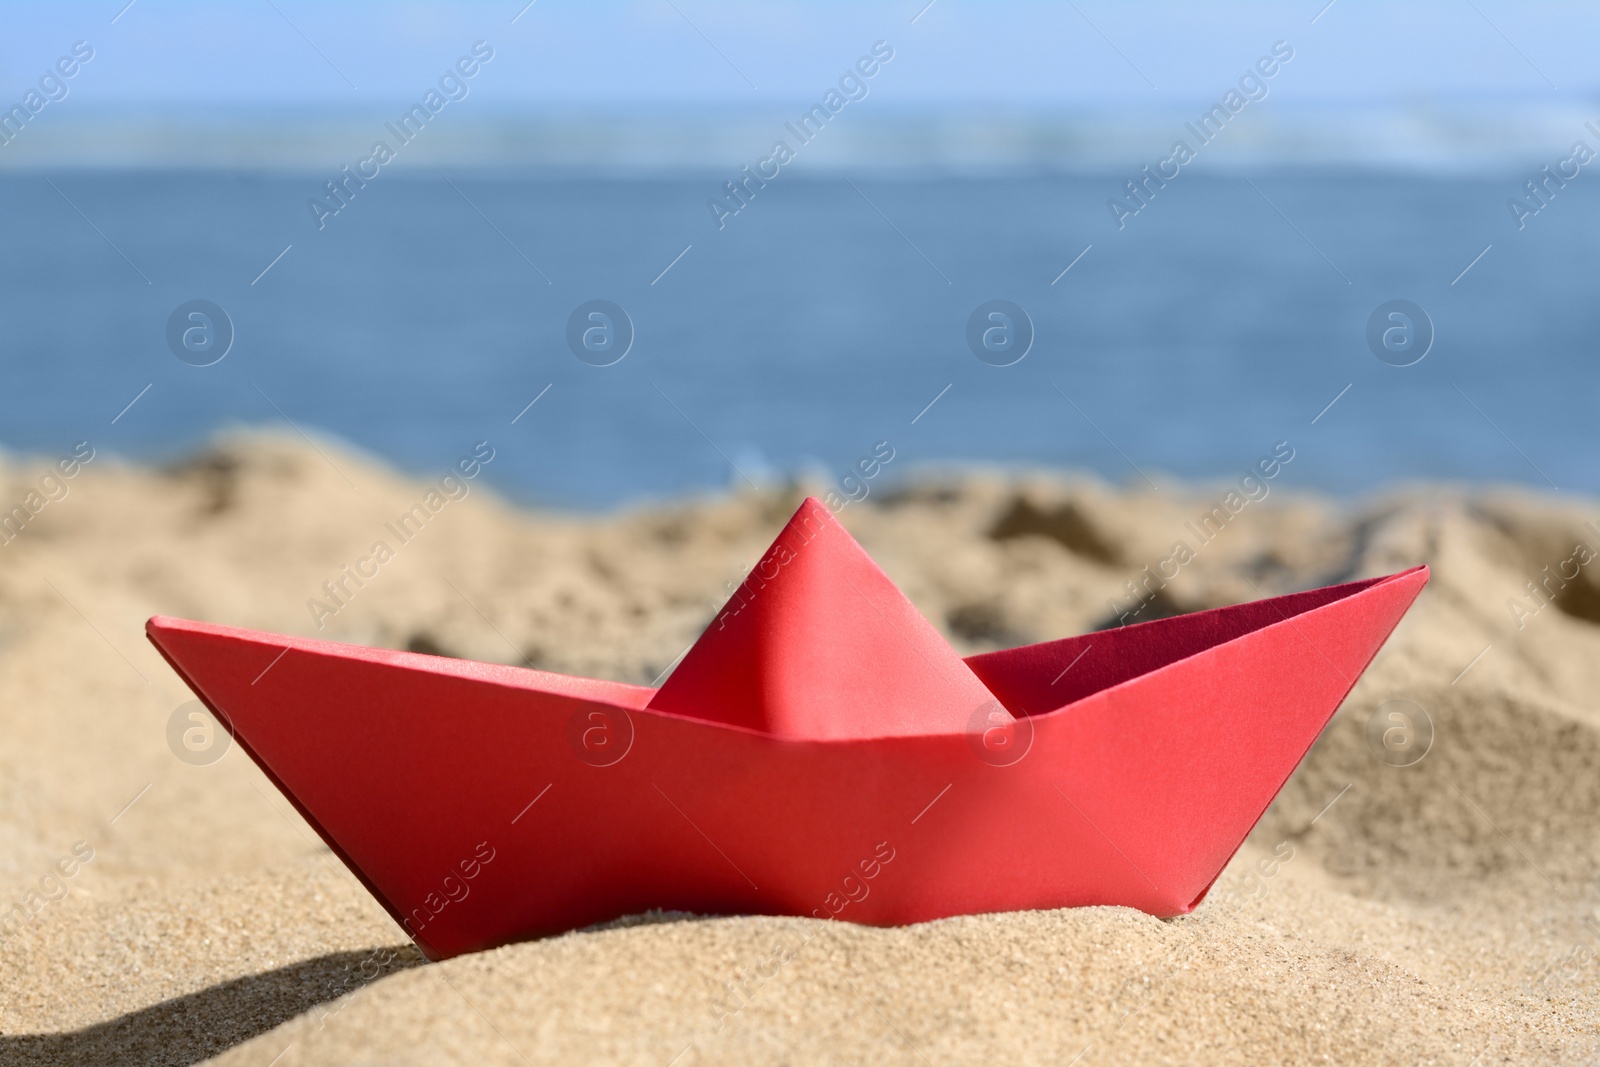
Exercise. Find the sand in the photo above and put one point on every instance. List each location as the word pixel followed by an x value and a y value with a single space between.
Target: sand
pixel 1445 912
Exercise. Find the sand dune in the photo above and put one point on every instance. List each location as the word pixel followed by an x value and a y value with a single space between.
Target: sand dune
pixel 1444 912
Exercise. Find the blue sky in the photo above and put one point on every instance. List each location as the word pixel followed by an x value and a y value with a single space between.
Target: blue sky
pixel 179 54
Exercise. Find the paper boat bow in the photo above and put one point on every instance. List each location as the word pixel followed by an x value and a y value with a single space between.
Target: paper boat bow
pixel 820 751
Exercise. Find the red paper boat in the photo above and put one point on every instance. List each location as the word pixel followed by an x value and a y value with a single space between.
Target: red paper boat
pixel 820 751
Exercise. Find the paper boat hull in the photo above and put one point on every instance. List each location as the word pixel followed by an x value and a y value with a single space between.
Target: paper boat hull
pixel 483 804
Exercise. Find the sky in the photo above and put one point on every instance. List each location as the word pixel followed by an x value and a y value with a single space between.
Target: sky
pixel 177 56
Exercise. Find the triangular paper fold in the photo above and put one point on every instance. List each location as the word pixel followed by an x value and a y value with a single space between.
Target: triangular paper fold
pixel 819 644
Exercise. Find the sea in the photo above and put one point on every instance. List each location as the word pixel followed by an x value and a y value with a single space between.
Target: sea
pixel 1179 338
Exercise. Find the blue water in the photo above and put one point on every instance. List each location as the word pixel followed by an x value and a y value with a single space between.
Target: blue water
pixel 812 326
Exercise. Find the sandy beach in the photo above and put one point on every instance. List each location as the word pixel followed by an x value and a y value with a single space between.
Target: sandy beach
pixel 158 911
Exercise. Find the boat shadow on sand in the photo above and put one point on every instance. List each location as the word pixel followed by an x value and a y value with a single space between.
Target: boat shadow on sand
pixel 197 1026
pixel 206 1023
